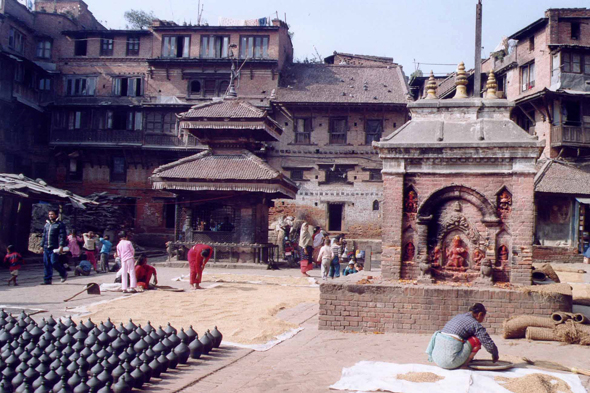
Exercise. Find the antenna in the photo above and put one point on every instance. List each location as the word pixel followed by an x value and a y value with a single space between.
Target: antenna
pixel 200 8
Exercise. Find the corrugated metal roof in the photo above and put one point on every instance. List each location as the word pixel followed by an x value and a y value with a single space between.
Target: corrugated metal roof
pixel 232 109
pixel 343 84
pixel 209 166
pixel 233 125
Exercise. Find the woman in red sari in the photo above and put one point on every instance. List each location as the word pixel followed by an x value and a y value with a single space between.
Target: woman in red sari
pixel 144 273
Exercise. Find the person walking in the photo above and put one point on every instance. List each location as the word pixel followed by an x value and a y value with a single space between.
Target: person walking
pixel 460 340
pixel 55 237
pixel 198 256
pixel 325 257
pixel 105 251
pixel 14 261
pixel 126 252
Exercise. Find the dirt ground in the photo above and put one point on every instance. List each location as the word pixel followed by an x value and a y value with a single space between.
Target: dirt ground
pixel 309 362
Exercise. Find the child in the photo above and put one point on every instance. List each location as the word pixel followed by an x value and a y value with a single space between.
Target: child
pixel 126 252
pixel 104 253
pixel 84 267
pixel 359 267
pixel 337 250
pixel 144 273
pixel 350 269
pixel 89 247
pixel 15 261
pixel 325 257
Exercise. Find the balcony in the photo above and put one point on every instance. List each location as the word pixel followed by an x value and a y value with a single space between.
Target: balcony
pixel 575 136
pixel 122 138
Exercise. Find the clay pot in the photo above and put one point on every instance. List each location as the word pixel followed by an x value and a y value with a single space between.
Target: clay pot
pixel 67 339
pixel 151 354
pixel 140 345
pixel 25 357
pixel 147 371
pixel 38 382
pixel 161 333
pixel 167 343
pixel 136 362
pixel 108 366
pixel 68 351
pixel 82 363
pixel 31 374
pixel 103 354
pixel 174 339
pixel 104 338
pixel 125 338
pixel 5 337
pixel 124 356
pixel 164 361
pixel 92 359
pixel 159 348
pixel 216 334
pixel 139 330
pixel 51 377
pixel 173 358
pixel 129 379
pixel 107 388
pixel 74 357
pixel 122 386
pixel 127 366
pixel 26 336
pixel 33 362
pixel 44 359
pixel 79 346
pixel 90 340
pixel 73 368
pixel 130 326
pixel 183 352
pixel 58 333
pixel 94 383
pixel 62 371
pixel 96 347
pixel 82 387
pixel 139 378
pixel 97 368
pixel 48 337
pixel 108 324
pixel 117 372
pixel 74 380
pixel 133 337
pixel 113 359
pixel 12 361
pixel 71 330
pixel 89 324
pixel 156 368
pixel 121 329
pixel 36 332
pixel 182 336
pixel 43 388
pixel 207 343
pixel 119 345
pixel 8 373
pixel 24 388
pixel 196 349
pixel 113 334
pixel 62 383
pixel 21 367
pixel 4 388
pixel 16 331
pixel 56 354
pixel 148 327
pixel 55 364
pixel 18 379
pixel 105 377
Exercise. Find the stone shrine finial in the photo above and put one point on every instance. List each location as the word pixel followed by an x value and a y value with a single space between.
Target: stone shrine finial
pixel 491 87
pixel 431 87
pixel 461 82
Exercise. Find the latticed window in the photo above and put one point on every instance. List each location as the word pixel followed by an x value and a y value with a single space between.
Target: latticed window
pixel 373 131
pixel 337 174
pixel 213 217
pixel 132 46
pixel 303 131
pixel 338 130
pixel 106 46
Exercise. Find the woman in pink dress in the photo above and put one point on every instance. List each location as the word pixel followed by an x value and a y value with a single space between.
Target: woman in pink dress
pixel 74 245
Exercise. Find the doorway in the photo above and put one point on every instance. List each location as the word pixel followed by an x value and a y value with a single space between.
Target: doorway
pixel 335 213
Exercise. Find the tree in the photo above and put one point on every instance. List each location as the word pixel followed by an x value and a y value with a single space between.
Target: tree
pixel 139 19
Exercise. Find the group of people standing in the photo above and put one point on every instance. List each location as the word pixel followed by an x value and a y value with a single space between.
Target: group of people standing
pixel 317 247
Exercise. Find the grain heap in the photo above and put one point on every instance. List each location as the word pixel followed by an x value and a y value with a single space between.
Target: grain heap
pixel 420 377
pixel 534 383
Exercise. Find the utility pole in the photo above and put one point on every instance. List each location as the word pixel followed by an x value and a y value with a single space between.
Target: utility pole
pixel 477 76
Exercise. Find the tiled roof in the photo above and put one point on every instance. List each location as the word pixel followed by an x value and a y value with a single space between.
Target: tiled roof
pixel 227 167
pixel 228 108
pixel 321 83
pixel 563 178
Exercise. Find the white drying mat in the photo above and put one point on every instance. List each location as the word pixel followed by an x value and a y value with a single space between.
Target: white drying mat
pixel 266 346
pixel 368 376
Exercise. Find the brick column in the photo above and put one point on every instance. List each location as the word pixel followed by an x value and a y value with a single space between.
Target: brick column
pixel 393 198
pixel 522 227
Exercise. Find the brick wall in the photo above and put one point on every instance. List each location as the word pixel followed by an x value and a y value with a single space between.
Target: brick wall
pixel 423 309
pixel 546 254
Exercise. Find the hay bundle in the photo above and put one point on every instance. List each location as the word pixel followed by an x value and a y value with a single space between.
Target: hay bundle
pixel 573 333
pixel 580 318
pixel 515 327
pixel 541 334
pixel 560 317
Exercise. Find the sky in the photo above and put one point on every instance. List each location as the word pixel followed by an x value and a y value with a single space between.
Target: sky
pixel 410 31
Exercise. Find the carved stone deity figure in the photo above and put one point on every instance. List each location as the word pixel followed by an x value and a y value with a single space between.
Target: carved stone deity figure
pixel 478 256
pixel 411 202
pixel 456 253
pixel 409 252
pixel 435 257
pixel 503 255
pixel 504 203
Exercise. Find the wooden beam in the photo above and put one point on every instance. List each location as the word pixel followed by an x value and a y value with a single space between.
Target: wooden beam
pixel 527 115
pixel 540 111
pixel 549 114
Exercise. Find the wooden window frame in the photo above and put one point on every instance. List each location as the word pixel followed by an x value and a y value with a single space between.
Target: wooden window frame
pixel 42 51
pixel 118 177
pixel 133 45
pixel 204 50
pixel 16 40
pixel 248 47
pixel 186 46
pixel 302 137
pixel 78 45
pixel 526 70
pixel 334 138
pixel 575 30
pixel 297 174
pixel 107 46
pixel 372 134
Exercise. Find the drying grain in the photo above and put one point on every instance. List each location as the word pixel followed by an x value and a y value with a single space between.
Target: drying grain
pixel 245 278
pixel 420 377
pixel 534 383
pixel 244 313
